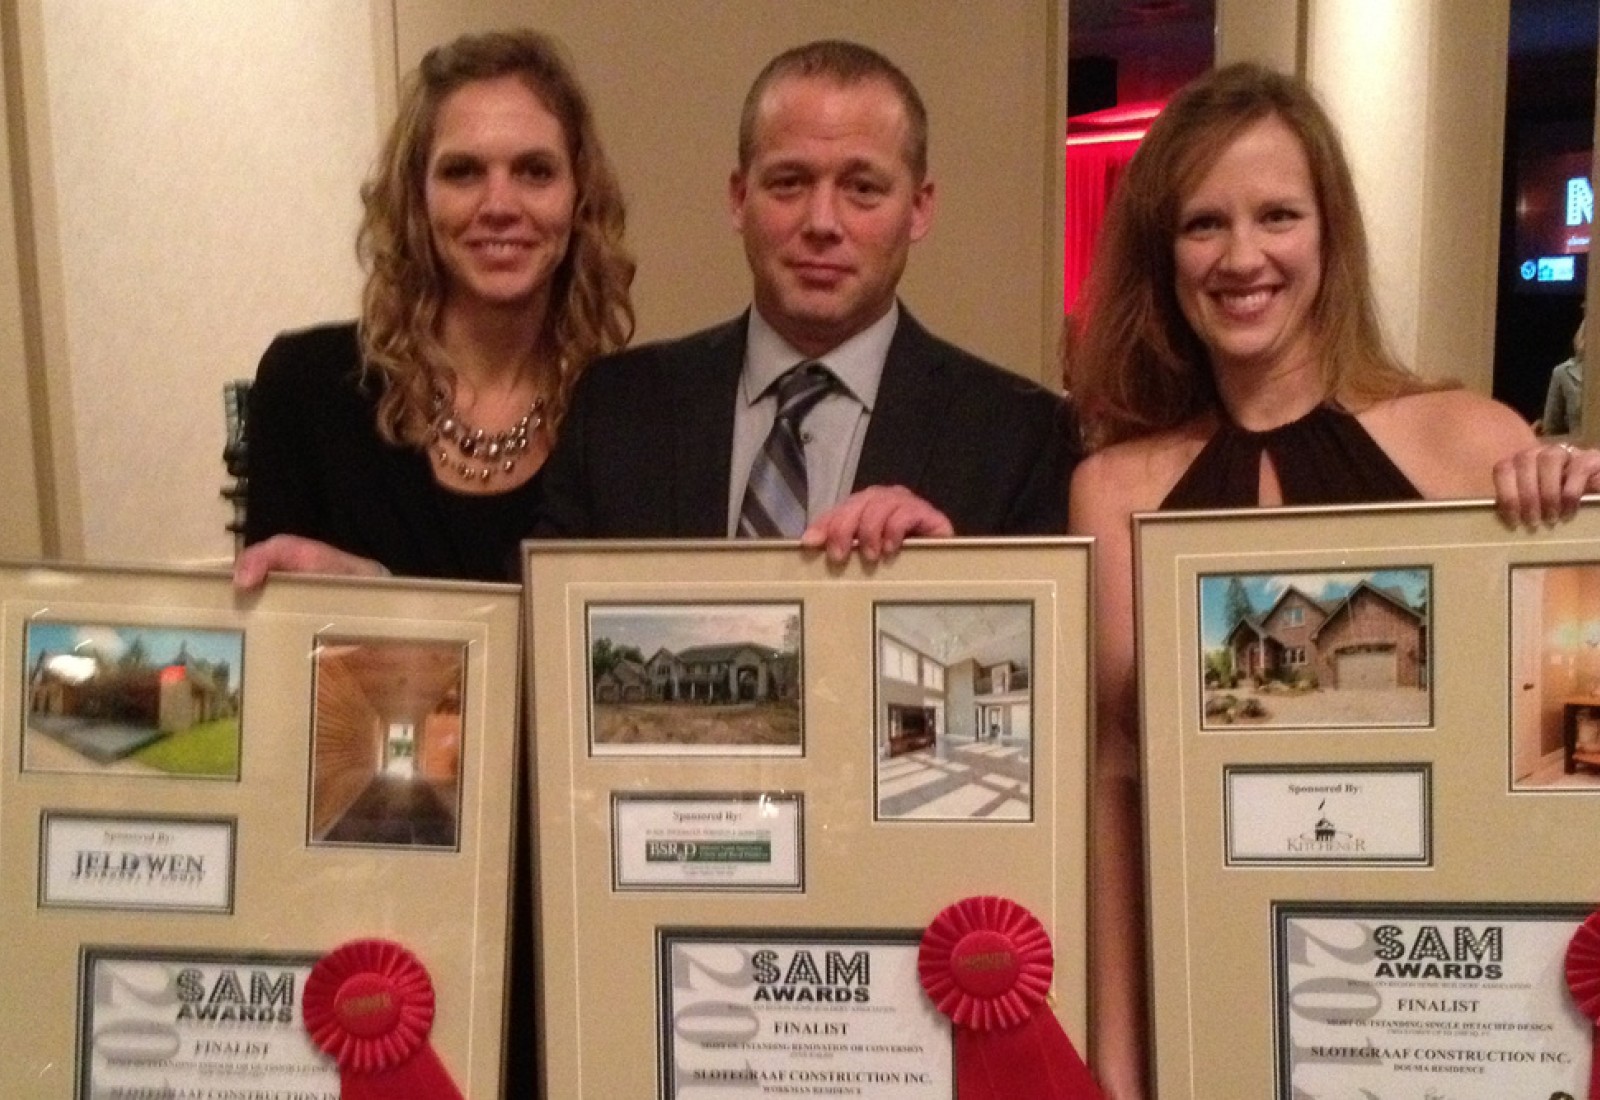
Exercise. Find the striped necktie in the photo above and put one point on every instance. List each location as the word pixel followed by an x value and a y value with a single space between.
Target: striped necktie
pixel 775 497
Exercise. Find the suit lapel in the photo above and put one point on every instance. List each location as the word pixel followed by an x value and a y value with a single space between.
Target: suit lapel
pixel 706 386
pixel 910 395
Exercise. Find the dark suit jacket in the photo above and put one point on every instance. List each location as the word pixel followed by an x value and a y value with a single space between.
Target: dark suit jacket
pixel 645 447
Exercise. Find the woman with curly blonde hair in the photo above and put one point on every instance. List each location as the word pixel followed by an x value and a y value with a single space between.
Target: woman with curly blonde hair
pixel 411 441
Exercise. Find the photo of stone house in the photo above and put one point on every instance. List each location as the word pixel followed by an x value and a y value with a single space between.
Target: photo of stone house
pixel 695 678
pixel 1344 649
pixel 737 672
pixel 626 681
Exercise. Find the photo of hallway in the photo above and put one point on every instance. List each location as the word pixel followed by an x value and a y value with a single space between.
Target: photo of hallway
pixel 386 743
pixel 954 711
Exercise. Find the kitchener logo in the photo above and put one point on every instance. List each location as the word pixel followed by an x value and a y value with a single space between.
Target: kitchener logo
pixel 1325 838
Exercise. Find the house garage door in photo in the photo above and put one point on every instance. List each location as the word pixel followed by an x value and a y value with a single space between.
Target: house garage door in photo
pixel 1367 668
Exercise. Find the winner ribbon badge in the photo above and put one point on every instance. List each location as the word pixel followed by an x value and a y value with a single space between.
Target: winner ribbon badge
pixel 1583 980
pixel 986 963
pixel 369 1004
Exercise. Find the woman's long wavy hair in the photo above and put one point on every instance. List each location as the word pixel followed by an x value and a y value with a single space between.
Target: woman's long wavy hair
pixel 1135 366
pixel 589 311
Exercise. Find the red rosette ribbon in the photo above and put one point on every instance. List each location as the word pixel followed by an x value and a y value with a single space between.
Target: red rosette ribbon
pixel 1583 980
pixel 369 1004
pixel 986 963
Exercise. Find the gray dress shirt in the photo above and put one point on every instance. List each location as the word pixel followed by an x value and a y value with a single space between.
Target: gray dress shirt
pixel 832 432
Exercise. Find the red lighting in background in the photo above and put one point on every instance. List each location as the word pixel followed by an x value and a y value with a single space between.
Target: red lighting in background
pixel 173 674
pixel 1132 136
pixel 1099 146
pixel 1124 116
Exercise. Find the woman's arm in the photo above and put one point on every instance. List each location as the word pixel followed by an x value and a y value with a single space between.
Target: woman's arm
pixel 1119 1039
pixel 284 503
pixel 283 494
pixel 1455 444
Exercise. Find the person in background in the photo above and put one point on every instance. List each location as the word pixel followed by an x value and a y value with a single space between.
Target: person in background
pixel 1230 356
pixel 1563 403
pixel 411 442
pixel 825 411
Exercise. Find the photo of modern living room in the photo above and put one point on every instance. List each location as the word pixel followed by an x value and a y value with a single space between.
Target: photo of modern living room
pixel 953 722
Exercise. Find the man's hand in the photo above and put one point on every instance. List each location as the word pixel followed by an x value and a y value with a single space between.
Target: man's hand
pixel 877 520
pixel 1542 485
pixel 294 554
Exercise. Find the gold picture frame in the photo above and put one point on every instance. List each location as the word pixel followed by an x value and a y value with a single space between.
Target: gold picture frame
pixel 156 789
pixel 1348 885
pixel 610 621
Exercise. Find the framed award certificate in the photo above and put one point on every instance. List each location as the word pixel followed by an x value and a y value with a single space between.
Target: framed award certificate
pixel 1369 799
pixel 203 794
pixel 759 778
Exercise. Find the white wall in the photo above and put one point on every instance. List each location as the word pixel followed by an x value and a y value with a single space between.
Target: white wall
pixel 1417 88
pixel 193 165
pixel 1270 32
pixel 22 532
pixel 668 78
pixel 1378 97
pixel 202 161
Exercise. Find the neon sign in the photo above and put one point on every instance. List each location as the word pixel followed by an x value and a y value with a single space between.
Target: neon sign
pixel 1580 201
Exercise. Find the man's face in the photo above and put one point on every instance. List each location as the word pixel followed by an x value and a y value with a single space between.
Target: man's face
pixel 828 207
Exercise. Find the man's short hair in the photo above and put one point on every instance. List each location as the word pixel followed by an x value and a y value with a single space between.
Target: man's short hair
pixel 846 63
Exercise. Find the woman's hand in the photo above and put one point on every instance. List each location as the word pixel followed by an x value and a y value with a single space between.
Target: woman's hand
pixel 295 554
pixel 1543 484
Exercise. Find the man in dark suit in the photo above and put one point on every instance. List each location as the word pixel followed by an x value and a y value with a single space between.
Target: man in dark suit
pixel 902 434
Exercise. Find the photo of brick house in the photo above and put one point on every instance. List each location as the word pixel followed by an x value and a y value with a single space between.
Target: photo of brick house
pixel 1316 649
pixel 146 700
pixel 695 678
pixel 1366 638
pixel 167 699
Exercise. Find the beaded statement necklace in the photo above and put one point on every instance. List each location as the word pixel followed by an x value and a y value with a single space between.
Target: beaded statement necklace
pixel 475 454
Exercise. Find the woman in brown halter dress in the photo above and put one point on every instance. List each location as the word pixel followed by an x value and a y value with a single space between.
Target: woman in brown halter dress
pixel 1231 356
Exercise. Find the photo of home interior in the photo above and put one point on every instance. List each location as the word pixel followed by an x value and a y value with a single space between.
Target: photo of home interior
pixel 1555 678
pixel 386 742
pixel 954 711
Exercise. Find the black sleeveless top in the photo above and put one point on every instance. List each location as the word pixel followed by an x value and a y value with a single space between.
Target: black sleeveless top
pixel 1325 457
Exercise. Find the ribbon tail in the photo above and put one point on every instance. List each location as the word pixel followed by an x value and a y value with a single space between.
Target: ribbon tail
pixel 1594 1065
pixel 1035 1060
pixel 420 1077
